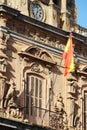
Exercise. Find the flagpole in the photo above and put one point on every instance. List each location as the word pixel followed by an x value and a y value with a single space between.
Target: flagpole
pixel 52 86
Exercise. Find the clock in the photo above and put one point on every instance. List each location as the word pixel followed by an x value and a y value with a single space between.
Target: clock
pixel 37 11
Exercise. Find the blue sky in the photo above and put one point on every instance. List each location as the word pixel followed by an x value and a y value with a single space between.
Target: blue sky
pixel 82 12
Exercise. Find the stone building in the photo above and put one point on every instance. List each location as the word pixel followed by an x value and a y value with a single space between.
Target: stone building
pixel 34 93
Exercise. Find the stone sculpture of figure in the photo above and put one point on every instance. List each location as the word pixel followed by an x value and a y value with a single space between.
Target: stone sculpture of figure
pixel 60 115
pixel 59 104
pixel 12 106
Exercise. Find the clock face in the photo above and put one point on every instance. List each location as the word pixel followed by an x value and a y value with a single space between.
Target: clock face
pixel 37 11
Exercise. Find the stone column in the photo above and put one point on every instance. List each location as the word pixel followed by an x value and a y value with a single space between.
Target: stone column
pixel 24 7
pixel 52 14
pixel 64 14
pixel 63 6
pixel 3 62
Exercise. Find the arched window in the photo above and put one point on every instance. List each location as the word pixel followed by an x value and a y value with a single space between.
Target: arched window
pixel 37 84
pixel 36 100
pixel 34 95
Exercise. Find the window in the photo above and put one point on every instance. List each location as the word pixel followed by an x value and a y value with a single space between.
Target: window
pixel 34 95
pixel 37 99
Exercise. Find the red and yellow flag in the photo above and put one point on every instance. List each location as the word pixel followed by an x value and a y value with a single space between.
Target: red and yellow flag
pixel 68 56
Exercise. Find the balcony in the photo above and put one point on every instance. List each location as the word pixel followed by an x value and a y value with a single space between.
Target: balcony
pixel 80 30
pixel 40 118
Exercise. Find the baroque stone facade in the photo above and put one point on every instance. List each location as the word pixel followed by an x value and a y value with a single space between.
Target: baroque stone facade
pixel 32 85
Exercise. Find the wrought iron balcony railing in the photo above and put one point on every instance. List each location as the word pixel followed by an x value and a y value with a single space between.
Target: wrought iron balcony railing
pixel 52 119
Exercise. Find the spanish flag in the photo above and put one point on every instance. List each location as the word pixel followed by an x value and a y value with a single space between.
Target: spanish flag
pixel 68 56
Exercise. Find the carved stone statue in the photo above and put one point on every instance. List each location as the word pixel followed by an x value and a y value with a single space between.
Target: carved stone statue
pixel 12 104
pixel 58 120
pixel 59 104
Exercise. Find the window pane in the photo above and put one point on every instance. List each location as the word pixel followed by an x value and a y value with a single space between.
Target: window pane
pixel 40 106
pixel 40 89
pixel 36 89
pixel 34 96
pixel 31 106
pixel 27 87
pixel 32 86
pixel 36 106
pixel 27 105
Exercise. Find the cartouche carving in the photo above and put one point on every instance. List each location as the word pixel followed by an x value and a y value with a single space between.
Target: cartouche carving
pixel 3 40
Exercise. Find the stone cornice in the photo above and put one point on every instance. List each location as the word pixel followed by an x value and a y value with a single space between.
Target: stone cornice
pixel 46 27
pixel 9 10
pixel 39 44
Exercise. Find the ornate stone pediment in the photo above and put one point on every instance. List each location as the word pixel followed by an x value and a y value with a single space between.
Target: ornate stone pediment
pixel 37 54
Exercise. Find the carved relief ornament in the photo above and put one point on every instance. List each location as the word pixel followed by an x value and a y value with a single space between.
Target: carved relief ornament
pixel 11 102
pixel 3 40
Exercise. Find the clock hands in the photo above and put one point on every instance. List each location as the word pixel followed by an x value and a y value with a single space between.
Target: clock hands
pixel 37 11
